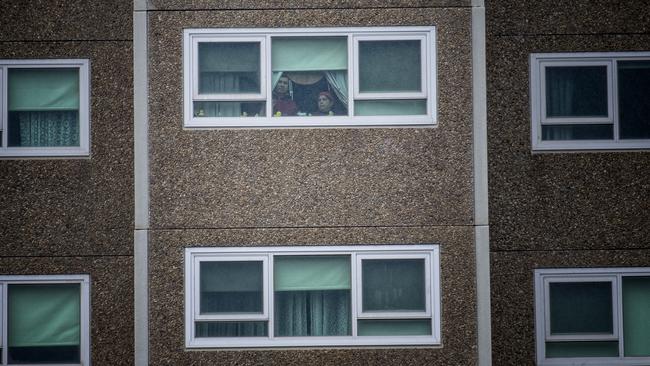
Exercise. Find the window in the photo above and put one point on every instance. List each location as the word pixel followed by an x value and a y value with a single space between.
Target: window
pixel 44 108
pixel 45 320
pixel 593 316
pixel 309 77
pixel 312 296
pixel 588 101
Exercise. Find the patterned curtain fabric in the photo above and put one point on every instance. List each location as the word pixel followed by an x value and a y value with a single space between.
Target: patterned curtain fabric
pixel 312 313
pixel 44 128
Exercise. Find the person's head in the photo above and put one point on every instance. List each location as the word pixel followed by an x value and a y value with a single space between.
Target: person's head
pixel 325 102
pixel 282 87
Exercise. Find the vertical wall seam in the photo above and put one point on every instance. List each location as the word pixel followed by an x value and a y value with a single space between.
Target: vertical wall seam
pixel 141 184
pixel 481 219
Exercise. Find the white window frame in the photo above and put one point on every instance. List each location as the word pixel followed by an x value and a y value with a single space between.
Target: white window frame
pixel 538 64
pixel 84 307
pixel 83 65
pixel 193 256
pixel 428 64
pixel 543 277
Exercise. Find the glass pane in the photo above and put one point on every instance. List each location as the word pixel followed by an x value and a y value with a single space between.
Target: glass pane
pixel 394 327
pixel 633 102
pixel 636 316
pixel 312 295
pixel 390 66
pixel 576 91
pixel 577 132
pixel 229 109
pixel 231 329
pixel 310 76
pixel 581 308
pixel 44 323
pixel 581 349
pixel 231 287
pixel 229 67
pixel 43 128
pixel 312 313
pixel 35 89
pixel 299 273
pixel 393 285
pixel 390 107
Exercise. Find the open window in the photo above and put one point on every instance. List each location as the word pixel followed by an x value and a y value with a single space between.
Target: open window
pixel 44 108
pixel 312 296
pixel 309 77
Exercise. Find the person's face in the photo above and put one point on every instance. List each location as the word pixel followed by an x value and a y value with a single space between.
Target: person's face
pixel 282 87
pixel 324 104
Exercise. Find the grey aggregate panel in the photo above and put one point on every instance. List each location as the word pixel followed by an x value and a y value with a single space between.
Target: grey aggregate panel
pixel 166 291
pixel 311 177
pixel 77 206
pixel 111 299
pixel 514 17
pixel 301 4
pixel 513 301
pixel 66 20
pixel 564 200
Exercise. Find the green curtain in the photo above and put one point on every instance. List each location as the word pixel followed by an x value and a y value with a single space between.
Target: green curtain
pixel 43 89
pixel 394 327
pixel 309 54
pixel 393 284
pixel 636 316
pixel 304 273
pixel 231 329
pixel 633 106
pixel 312 313
pixel 44 315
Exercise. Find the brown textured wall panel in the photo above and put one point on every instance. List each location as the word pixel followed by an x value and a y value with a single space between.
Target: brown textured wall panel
pixel 513 17
pixel 166 297
pixel 77 206
pixel 66 20
pixel 513 301
pixel 111 299
pixel 301 4
pixel 549 201
pixel 311 177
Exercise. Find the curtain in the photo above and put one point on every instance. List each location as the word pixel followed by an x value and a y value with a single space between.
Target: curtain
pixel 393 284
pixel 231 287
pixel 636 316
pixel 44 315
pixel 312 313
pixel 338 80
pixel 390 66
pixel 43 107
pixel 394 327
pixel 231 329
pixel 44 128
pixel 581 307
pixel 309 54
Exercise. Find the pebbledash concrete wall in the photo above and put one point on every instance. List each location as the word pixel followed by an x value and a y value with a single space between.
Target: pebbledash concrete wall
pixel 75 216
pixel 551 210
pixel 338 186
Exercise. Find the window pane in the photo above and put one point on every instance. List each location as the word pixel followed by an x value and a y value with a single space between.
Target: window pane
pixel 312 295
pixel 390 66
pixel 231 329
pixel 43 107
pixel 393 285
pixel 581 307
pixel 577 132
pixel 44 323
pixel 229 67
pixel 231 287
pixel 636 316
pixel 390 107
pixel 310 76
pixel 576 91
pixel 581 349
pixel 229 109
pixel 633 102
pixel 394 327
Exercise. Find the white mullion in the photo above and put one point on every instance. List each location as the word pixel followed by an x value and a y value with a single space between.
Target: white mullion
pixel 612 99
pixel 270 298
pixel 4 114
pixel 619 315
pixel 268 105
pixel 352 72
pixel 354 298
pixel 3 322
